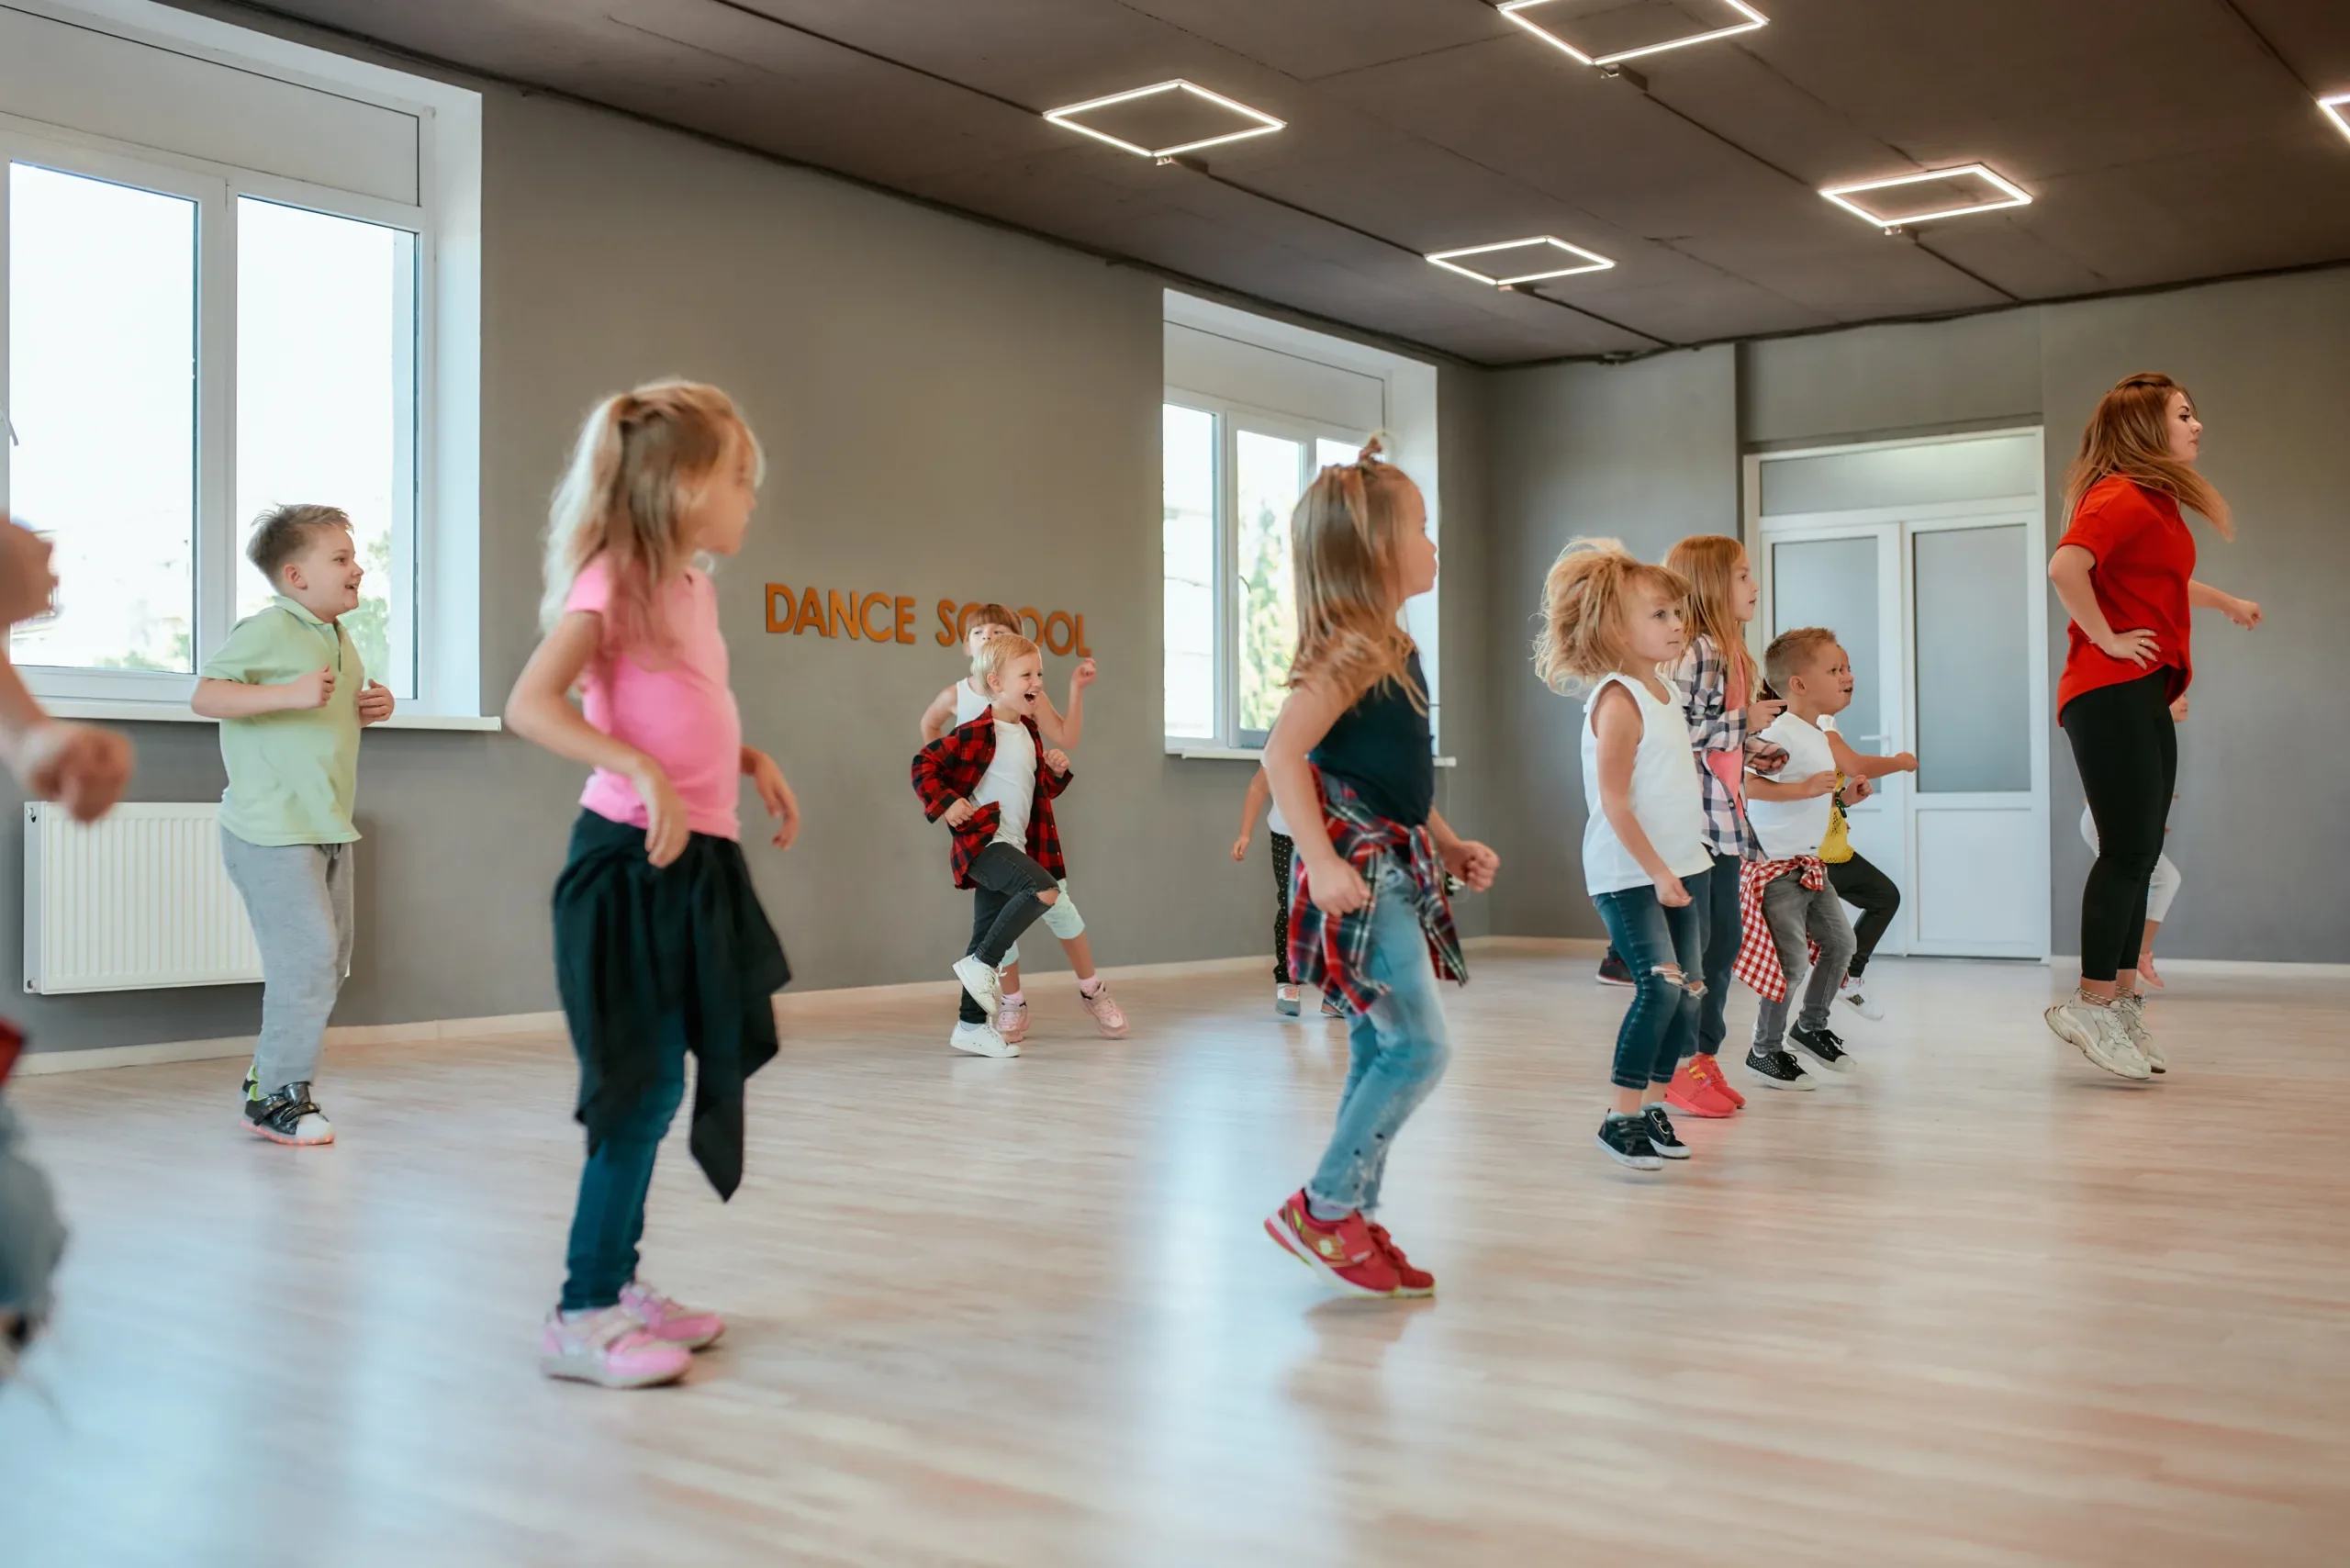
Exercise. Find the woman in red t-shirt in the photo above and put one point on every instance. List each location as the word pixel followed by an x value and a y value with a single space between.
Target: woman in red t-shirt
pixel 2128 561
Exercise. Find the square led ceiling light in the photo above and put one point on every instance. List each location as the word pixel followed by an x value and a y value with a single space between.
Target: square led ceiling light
pixel 1922 199
pixel 1509 261
pixel 1603 32
pixel 2337 109
pixel 1165 118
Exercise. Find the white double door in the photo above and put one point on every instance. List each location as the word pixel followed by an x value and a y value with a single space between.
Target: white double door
pixel 1943 612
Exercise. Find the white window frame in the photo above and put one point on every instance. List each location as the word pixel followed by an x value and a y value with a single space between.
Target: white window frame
pixel 438 555
pixel 1230 416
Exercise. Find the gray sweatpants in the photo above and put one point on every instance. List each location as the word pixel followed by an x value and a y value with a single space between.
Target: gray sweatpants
pixel 1794 913
pixel 300 898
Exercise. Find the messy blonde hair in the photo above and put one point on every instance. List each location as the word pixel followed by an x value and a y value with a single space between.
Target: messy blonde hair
pixel 2129 434
pixel 642 460
pixel 997 653
pixel 1710 561
pixel 1586 601
pixel 1345 540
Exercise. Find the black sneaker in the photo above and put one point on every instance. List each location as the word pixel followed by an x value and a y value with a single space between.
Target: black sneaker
pixel 1661 1137
pixel 1625 1141
pixel 288 1115
pixel 1777 1070
pixel 1613 970
pixel 1822 1047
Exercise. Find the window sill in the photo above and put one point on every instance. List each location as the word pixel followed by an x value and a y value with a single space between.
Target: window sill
pixel 176 713
pixel 1237 753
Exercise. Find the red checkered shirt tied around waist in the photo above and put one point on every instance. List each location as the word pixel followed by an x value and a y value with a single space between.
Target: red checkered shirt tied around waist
pixel 1331 953
pixel 950 767
pixel 1758 955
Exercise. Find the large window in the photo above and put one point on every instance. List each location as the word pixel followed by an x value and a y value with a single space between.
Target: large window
pixel 167 329
pixel 1232 477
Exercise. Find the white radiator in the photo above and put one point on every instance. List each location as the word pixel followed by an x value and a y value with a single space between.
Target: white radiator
pixel 138 901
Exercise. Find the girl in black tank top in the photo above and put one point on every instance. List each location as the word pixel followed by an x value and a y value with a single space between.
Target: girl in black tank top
pixel 1370 926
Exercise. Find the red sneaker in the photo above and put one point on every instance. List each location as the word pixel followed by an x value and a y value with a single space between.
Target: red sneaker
pixel 1694 1091
pixel 1409 1281
pixel 1712 1068
pixel 1342 1252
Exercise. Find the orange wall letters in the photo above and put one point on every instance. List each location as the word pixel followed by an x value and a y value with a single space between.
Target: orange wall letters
pixel 836 613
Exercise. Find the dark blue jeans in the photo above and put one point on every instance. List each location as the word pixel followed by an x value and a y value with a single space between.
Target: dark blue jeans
pixel 1661 1026
pixel 610 1220
pixel 1720 934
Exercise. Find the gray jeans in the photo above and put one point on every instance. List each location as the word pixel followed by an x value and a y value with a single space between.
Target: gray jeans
pixel 1796 912
pixel 300 898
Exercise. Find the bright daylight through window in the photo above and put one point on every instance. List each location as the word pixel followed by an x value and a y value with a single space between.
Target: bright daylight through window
pixel 1231 481
pixel 110 285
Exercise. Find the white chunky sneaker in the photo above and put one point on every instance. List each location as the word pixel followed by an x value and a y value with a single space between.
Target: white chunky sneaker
pixel 2097 1034
pixel 981 1040
pixel 2131 1011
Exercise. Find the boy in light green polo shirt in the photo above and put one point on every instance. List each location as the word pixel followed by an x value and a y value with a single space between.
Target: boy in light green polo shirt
pixel 291 698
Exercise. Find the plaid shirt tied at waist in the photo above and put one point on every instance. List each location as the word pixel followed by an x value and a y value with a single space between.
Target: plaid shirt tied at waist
pixel 1758 955
pixel 950 767
pixel 1331 953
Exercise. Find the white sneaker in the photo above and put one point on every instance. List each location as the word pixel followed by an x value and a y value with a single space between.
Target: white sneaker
pixel 2131 1011
pixel 1288 1001
pixel 2097 1034
pixel 981 1040
pixel 1855 994
pixel 982 983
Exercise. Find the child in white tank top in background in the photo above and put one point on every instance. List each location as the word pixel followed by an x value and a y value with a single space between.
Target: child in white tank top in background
pixel 1609 622
pixel 958 705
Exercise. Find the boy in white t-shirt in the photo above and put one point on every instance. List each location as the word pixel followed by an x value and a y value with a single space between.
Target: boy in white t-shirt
pixel 1785 901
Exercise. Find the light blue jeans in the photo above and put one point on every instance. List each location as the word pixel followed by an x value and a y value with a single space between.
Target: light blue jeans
pixel 1399 1049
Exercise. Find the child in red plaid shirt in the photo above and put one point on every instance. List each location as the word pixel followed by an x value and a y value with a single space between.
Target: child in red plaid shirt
pixel 993 781
pixel 1352 766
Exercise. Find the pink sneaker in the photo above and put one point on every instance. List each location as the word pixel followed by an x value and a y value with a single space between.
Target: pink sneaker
pixel 1012 1022
pixel 611 1349
pixel 671 1322
pixel 1106 1015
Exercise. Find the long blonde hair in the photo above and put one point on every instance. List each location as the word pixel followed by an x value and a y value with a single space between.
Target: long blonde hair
pixel 1710 562
pixel 1345 540
pixel 1587 603
pixel 641 461
pixel 2129 434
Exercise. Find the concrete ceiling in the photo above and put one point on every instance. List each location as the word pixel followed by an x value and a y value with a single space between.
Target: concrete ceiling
pixel 2161 140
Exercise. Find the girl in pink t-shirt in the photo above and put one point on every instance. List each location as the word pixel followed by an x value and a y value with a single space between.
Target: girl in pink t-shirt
pixel 661 949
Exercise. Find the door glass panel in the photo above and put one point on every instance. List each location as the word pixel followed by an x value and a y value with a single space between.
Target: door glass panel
pixel 1988 469
pixel 1188 556
pixel 101 389
pixel 1832 583
pixel 1973 672
pixel 1268 470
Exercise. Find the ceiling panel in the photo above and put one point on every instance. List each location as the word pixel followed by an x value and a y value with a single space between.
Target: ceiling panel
pixel 2161 140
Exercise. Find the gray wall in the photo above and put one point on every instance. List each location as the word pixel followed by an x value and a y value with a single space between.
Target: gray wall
pixel 1644 450
pixel 948 409
pixel 1646 453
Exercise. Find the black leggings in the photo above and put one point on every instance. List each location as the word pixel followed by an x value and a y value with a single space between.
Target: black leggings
pixel 1283 848
pixel 2127 750
pixel 1872 892
pixel 1003 904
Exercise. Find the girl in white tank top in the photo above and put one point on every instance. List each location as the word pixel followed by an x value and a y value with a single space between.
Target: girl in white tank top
pixel 1610 623
pixel 1665 795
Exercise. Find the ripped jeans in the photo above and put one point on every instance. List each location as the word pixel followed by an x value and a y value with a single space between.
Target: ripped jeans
pixel 1397 1051
pixel 1661 947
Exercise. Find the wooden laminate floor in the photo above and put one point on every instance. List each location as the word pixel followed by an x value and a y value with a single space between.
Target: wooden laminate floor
pixel 1980 1306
